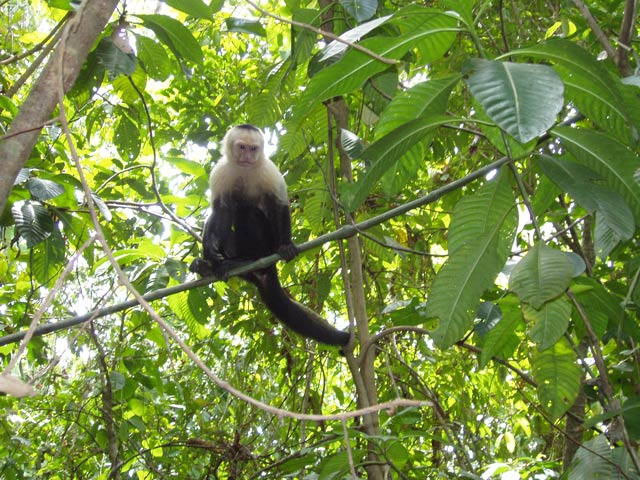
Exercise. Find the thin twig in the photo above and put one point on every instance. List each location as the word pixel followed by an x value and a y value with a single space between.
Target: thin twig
pixel 324 33
pixel 595 27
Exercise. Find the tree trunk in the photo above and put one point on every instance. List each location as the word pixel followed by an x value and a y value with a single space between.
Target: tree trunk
pixel 80 34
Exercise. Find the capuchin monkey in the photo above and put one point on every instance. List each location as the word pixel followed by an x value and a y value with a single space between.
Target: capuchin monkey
pixel 250 219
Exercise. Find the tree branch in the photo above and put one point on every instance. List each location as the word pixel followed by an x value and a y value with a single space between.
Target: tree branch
pixel 342 233
pixel 595 27
pixel 83 30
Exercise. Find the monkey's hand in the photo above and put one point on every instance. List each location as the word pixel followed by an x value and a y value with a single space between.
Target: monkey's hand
pixel 288 251
pixel 202 267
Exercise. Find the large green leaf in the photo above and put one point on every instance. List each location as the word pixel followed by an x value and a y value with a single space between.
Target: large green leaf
pixel 601 306
pixel 542 275
pixel 472 268
pixel 631 414
pixel 522 99
pixel 588 189
pixel 153 57
pixel 589 85
pixel 174 35
pixel 245 25
pixel 360 10
pixel 424 99
pixel 502 339
pixel 549 322
pixel 388 150
pixel 475 215
pixel 114 60
pixel 43 189
pixel 356 67
pixel 593 461
pixel 126 138
pixel 195 8
pixel 557 374
pixel 335 50
pixel 49 257
pixel 33 221
pixel 610 159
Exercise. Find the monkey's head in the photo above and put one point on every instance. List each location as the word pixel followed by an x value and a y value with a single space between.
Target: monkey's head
pixel 244 146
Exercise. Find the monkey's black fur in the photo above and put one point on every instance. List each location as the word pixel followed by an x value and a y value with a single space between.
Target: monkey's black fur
pixel 248 222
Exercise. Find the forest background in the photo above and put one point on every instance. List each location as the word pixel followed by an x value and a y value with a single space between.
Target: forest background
pixel 465 190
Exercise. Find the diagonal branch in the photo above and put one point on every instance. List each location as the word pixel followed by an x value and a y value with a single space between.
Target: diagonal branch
pixel 342 233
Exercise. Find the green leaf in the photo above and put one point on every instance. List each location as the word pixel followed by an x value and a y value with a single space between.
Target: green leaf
pixel 174 35
pixel 631 414
pixel 126 138
pixel 502 339
pixel 388 150
pixel 245 25
pixel 522 99
pixel 542 275
pixel 475 215
pixel 589 85
pixel 593 461
pixel 472 267
pixel 550 321
pixel 601 307
pixel 33 221
pixel 114 60
pixel 589 190
pixel 558 377
pixel 335 50
pixel 49 257
pixel 189 167
pixel 356 67
pixel 43 189
pixel 153 58
pixel 195 8
pixel 360 10
pixel 610 159
pixel 421 100
pixel 351 144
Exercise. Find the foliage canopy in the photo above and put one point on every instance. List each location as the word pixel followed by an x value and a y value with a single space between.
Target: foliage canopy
pixel 464 180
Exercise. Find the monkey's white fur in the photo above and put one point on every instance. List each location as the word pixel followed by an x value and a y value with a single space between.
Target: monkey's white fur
pixel 251 179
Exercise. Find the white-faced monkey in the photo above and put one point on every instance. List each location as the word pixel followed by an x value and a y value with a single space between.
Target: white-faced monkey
pixel 250 219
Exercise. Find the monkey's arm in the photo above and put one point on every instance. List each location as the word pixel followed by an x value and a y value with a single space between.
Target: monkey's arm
pixel 282 230
pixel 217 244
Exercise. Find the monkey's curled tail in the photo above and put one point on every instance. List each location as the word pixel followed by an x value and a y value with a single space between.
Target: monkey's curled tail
pixel 293 314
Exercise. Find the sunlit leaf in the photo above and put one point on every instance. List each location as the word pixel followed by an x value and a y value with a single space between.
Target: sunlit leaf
pixel 174 35
pixel 245 25
pixel 356 67
pixel 33 221
pixel 43 189
pixel 195 8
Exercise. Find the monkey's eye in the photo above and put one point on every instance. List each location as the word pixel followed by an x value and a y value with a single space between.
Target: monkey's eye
pixel 242 147
pixel 254 149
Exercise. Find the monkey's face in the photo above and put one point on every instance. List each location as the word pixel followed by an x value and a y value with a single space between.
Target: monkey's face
pixel 247 152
